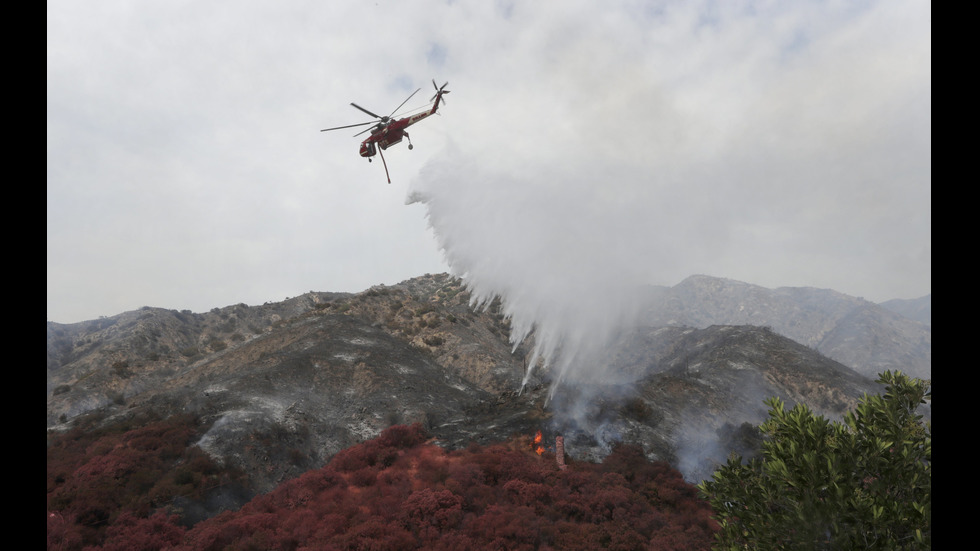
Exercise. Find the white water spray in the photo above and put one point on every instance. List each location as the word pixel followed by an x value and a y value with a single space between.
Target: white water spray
pixel 556 251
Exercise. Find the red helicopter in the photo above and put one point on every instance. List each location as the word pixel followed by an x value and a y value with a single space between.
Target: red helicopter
pixel 388 132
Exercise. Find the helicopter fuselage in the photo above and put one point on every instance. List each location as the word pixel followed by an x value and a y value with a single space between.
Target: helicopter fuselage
pixel 392 133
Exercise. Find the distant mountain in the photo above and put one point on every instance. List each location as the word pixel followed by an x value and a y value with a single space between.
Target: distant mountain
pixel 918 309
pixel 862 335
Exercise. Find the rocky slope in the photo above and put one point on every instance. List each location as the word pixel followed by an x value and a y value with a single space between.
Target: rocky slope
pixel 284 386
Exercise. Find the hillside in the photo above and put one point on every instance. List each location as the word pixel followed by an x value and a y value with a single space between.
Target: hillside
pixel 242 408
pixel 285 386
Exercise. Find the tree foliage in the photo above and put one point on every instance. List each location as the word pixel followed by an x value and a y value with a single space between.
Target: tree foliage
pixel 861 483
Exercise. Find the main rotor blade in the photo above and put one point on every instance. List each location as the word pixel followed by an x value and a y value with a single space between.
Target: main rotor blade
pixel 404 102
pixel 368 130
pixel 366 111
pixel 348 126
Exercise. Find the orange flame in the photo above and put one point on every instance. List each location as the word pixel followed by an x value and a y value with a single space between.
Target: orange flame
pixel 537 440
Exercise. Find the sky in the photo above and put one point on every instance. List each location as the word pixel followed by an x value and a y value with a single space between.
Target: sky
pixel 583 146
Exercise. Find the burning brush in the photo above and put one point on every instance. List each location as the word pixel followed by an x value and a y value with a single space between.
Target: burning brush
pixel 538 448
pixel 559 449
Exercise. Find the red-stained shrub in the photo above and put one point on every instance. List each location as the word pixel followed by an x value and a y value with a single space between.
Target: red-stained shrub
pixel 465 473
pixel 365 476
pixel 387 507
pixel 353 458
pixel 572 508
pixel 500 464
pixel 451 542
pixel 432 469
pixel 465 479
pixel 577 480
pixel 531 494
pixel 95 477
pixel 402 436
pixel 671 491
pixel 574 536
pixel 441 509
pixel 394 481
pixel 302 524
pixel 64 533
pixel 130 533
pixel 318 481
pixel 505 528
pixel 396 492
pixel 382 451
pixel 631 462
pixel 606 502
pixel 376 535
pixel 229 530
pixel 680 538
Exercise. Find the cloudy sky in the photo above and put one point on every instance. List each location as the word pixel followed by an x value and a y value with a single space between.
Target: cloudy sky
pixel 584 144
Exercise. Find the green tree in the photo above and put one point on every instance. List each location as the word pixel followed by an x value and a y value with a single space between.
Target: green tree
pixel 861 483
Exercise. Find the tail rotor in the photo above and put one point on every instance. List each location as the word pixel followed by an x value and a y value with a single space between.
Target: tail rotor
pixel 440 92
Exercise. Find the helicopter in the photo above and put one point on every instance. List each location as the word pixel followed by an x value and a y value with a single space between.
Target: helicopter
pixel 387 131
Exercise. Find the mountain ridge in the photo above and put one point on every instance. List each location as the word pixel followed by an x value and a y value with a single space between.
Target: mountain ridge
pixel 865 336
pixel 284 386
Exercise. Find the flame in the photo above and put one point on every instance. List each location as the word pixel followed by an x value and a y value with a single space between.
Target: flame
pixel 539 449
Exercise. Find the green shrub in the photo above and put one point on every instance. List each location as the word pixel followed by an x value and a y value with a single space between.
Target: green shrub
pixel 861 483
